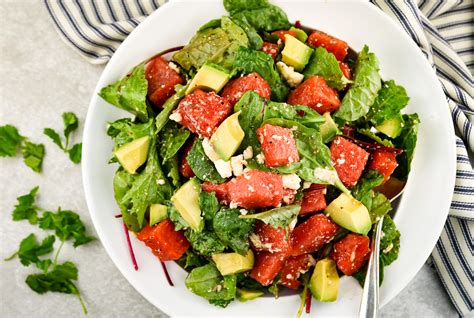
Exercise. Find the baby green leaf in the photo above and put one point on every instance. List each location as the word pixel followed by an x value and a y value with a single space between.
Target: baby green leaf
pixel 278 217
pixel 26 208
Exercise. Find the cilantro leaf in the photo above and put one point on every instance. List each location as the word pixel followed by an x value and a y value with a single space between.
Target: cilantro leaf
pixel 30 250
pixel 325 64
pixel 232 230
pixel 129 93
pixel 25 208
pixel 51 133
pixel 70 124
pixel 75 153
pixel 391 99
pixel 67 225
pixel 10 140
pixel 33 155
pixel 278 217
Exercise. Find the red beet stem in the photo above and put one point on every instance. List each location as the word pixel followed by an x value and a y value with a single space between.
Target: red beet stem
pixel 118 216
pixel 168 278
pixel 374 146
pixel 348 130
pixel 308 301
pixel 130 248
pixel 298 24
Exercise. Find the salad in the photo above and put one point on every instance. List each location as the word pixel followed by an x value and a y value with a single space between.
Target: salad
pixel 260 156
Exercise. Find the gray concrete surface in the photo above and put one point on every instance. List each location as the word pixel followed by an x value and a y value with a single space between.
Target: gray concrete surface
pixel 41 77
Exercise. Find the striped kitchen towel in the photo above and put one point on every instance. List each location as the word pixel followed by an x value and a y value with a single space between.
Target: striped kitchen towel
pixel 443 29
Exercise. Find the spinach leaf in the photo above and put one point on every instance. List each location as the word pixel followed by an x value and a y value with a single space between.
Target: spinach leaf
pixel 278 217
pixel 205 242
pixel 26 209
pixel 325 64
pixel 172 138
pixel 10 141
pixel 146 189
pixel 260 14
pixel 125 130
pixel 66 225
pixel 129 93
pixel 248 61
pixel 391 99
pixel 406 141
pixel 201 165
pixel 255 40
pixel 209 205
pixel 123 182
pixel 390 242
pixel 298 113
pixel 33 155
pixel 163 117
pixel 367 82
pixel 375 137
pixel 193 260
pixel 251 107
pixel 233 230
pixel 207 282
pixel 30 250
pixel 237 37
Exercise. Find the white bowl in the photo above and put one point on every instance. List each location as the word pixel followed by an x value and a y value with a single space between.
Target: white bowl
pixel 425 203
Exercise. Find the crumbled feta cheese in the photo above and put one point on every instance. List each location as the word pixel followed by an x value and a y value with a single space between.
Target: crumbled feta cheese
pixel 209 150
pixel 277 137
pixel 289 74
pixel 174 67
pixel 160 181
pixel 326 175
pixel 237 164
pixel 353 255
pixel 306 185
pixel 248 153
pixel 388 249
pixel 340 161
pixel 291 181
pixel 293 224
pixel 176 117
pixel 260 158
pixel 289 276
pixel 243 211
pixel 257 243
pixel 224 168
pixel 233 205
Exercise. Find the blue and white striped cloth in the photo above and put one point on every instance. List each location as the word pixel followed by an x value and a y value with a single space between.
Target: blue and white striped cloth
pixel 444 31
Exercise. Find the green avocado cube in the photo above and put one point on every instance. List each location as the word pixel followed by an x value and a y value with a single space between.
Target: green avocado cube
pixel 295 53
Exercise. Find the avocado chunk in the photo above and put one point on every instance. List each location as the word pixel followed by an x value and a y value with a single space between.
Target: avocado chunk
pixel 228 136
pixel 210 77
pixel 133 154
pixel 350 214
pixel 329 128
pixel 324 283
pixel 295 53
pixel 243 295
pixel 391 127
pixel 186 201
pixel 300 34
pixel 158 212
pixel 231 263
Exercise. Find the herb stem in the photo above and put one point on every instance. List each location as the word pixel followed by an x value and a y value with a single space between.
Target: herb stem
pixel 11 257
pixel 57 254
pixel 83 305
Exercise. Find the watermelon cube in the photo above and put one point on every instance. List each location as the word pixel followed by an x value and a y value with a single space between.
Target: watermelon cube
pixel 351 253
pixel 348 159
pixel 278 145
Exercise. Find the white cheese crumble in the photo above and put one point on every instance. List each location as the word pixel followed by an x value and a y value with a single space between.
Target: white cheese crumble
pixel 248 153
pixel 243 211
pixel 237 165
pixel 291 181
pixel 174 67
pixel 209 150
pixel 388 249
pixel 292 77
pixel 260 158
pixel 293 224
pixel 224 168
pixel 306 185
pixel 176 117
pixel 160 181
pixel 326 175
pixel 233 205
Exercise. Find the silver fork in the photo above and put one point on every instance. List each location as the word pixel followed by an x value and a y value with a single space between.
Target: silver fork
pixel 369 306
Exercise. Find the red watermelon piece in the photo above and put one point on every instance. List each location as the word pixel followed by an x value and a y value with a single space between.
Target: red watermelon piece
pixel 271 49
pixel 332 44
pixel 348 159
pixel 267 238
pixel 161 80
pixel 278 145
pixel 234 90
pixel 384 162
pixel 314 199
pixel 267 266
pixel 351 253
pixel 317 94
pixel 293 268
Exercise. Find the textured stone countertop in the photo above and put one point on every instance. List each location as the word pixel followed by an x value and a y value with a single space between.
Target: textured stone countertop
pixel 41 78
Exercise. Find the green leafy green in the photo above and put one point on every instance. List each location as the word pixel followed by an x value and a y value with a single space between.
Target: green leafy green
pixel 193 260
pixel 71 123
pixel 363 92
pixel 255 40
pixel 33 155
pixel 233 230
pixel 60 279
pixel 217 45
pixel 260 14
pixel 207 282
pixel 406 141
pixel 209 205
pixel 325 64
pixel 66 225
pixel 129 93
pixel 391 99
pixel 30 250
pixel 75 153
pixel 248 61
pixel 390 241
pixel 201 165
pixel 251 107
pixel 163 117
pixel 278 217
pixel 10 141
pixel 172 138
pixel 26 208
pixel 125 130
pixel 54 136
pixel 123 181
pixel 171 170
pixel 205 242
pixel 375 137
pixel 176 218
pixel 299 113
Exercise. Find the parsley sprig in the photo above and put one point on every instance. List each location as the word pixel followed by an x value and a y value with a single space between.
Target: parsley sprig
pixel 11 142
pixel 67 225
pixel 71 123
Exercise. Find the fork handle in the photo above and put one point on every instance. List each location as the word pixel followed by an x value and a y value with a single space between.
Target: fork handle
pixel 369 306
